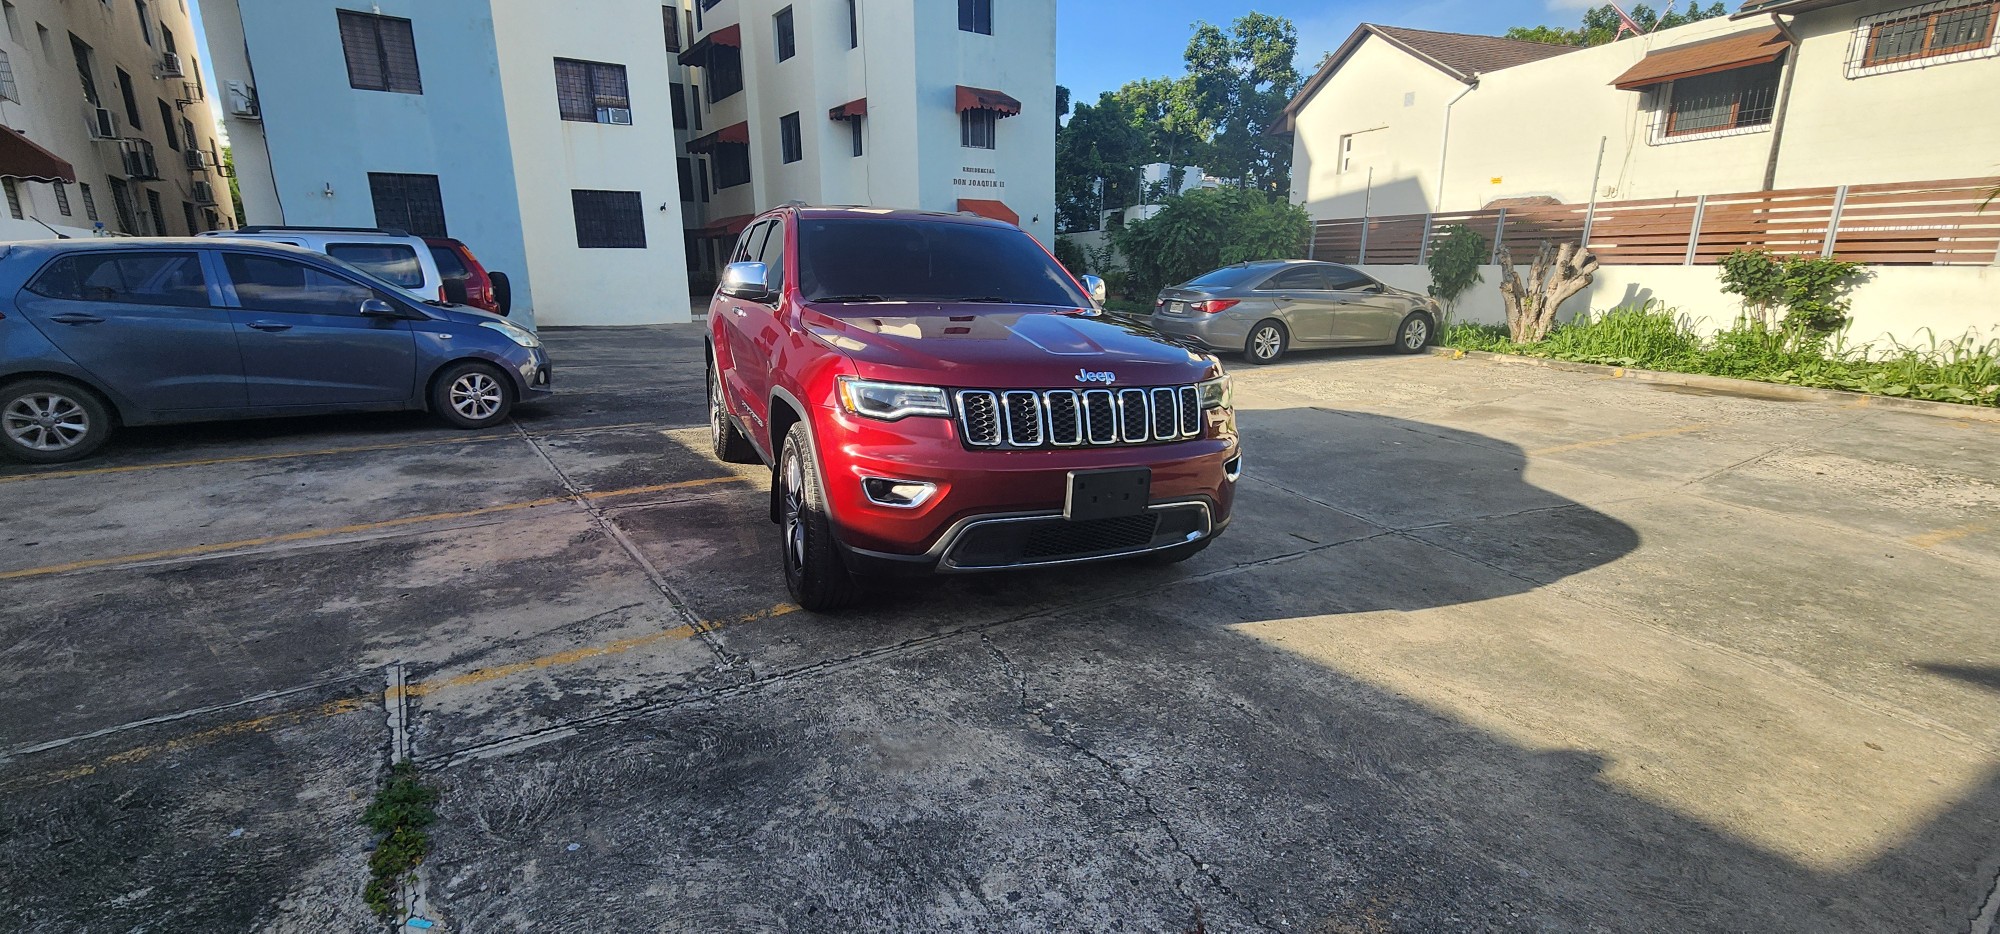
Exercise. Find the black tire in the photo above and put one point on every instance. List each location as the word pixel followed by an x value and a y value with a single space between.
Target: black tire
pixel 1267 342
pixel 1178 553
pixel 472 395
pixel 730 445
pixel 503 292
pixel 814 573
pixel 52 421
pixel 1415 333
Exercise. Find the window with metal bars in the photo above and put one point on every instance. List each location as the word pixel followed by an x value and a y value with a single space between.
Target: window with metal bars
pixel 7 89
pixel 1740 99
pixel 89 203
pixel 732 166
pixel 13 197
pixel 381 53
pixel 82 51
pixel 159 214
pixel 671 17
pixel 131 99
pixel 854 130
pixel 187 212
pixel 678 93
pixel 167 121
pixel 592 92
pixel 62 198
pixel 725 72
pixel 609 220
pixel 121 199
pixel 976 128
pixel 409 202
pixel 788 42
pixel 1917 36
pixel 853 25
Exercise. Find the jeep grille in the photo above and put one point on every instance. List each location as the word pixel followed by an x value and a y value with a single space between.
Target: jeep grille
pixel 1067 418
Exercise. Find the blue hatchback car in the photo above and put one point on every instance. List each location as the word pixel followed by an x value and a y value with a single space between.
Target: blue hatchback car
pixel 99 333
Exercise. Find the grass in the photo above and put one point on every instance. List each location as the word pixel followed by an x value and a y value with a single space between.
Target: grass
pixel 398 815
pixel 1653 337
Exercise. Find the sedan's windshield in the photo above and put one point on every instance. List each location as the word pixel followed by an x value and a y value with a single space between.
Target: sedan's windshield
pixel 897 260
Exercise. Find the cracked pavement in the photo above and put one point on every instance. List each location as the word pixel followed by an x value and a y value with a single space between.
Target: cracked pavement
pixel 1486 648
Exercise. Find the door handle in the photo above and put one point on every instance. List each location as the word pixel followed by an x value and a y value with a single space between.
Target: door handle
pixel 76 318
pixel 270 326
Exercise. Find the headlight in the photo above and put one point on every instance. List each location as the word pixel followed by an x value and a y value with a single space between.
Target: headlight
pixel 1215 393
pixel 514 332
pixel 891 401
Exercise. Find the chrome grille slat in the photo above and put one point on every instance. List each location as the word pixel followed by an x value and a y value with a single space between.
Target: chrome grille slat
pixel 1067 418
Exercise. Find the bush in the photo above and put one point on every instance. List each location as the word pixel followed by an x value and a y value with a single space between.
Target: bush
pixel 1812 290
pixel 1454 260
pixel 1654 337
pixel 1071 255
pixel 1206 229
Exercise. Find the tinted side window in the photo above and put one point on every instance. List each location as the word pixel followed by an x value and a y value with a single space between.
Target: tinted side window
pixel 1346 280
pixel 272 283
pixel 773 256
pixel 448 263
pixel 752 244
pixel 135 278
pixel 392 261
pixel 1298 277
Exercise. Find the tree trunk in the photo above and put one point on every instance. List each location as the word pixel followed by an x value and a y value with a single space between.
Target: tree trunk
pixel 1556 275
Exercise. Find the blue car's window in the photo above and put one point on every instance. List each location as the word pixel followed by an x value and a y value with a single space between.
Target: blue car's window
pixel 134 278
pixel 392 261
pixel 273 283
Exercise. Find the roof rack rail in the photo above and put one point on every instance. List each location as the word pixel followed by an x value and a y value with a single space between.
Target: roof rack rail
pixel 282 228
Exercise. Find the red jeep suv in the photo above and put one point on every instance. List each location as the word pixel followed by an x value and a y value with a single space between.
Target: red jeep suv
pixel 934 392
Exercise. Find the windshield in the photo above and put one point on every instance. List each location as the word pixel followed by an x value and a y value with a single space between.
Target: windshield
pixel 1227 277
pixel 900 260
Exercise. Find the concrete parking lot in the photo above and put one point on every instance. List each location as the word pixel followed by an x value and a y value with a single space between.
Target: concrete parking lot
pixel 1488 647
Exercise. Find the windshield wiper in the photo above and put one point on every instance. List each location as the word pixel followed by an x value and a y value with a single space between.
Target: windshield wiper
pixel 988 299
pixel 846 299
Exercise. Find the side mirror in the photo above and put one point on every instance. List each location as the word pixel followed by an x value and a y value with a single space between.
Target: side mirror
pixel 377 308
pixel 1374 287
pixel 747 281
pixel 1095 287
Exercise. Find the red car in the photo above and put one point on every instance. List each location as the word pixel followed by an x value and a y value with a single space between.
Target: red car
pixel 935 393
pixel 466 282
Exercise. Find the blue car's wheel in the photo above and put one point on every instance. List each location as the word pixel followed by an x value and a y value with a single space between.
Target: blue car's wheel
pixel 472 395
pixel 50 421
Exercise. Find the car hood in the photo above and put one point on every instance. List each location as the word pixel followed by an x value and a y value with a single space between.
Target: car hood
pixel 1003 346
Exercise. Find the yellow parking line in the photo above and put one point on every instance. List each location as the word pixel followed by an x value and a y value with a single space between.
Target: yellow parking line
pixel 1621 439
pixel 310 534
pixel 290 455
pixel 419 689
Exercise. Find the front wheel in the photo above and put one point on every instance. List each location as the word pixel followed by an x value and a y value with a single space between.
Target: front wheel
pixel 814 573
pixel 472 395
pixel 1413 333
pixel 51 421
pixel 1266 343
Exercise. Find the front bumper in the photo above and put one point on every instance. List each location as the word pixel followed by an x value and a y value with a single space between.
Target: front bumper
pixel 999 509
pixel 537 376
pixel 1217 333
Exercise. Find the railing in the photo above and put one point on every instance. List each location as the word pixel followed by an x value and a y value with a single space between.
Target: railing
pixel 1941 223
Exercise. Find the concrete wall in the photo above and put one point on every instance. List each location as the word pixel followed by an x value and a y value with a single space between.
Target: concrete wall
pixel 1394 106
pixel 552 156
pixel 1903 304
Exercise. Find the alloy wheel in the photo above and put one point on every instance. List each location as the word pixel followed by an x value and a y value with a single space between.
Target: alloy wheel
pixel 476 396
pixel 793 510
pixel 1416 333
pixel 46 421
pixel 715 414
pixel 1265 343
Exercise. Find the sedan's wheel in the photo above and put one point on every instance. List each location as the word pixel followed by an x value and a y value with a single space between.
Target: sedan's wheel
pixel 1266 343
pixel 814 572
pixel 47 421
pixel 472 395
pixel 1414 333
pixel 730 445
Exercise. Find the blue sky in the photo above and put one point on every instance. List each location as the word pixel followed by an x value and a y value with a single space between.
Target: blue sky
pixel 1101 44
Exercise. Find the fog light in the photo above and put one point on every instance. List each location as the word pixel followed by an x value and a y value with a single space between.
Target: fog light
pixel 1233 468
pixel 897 494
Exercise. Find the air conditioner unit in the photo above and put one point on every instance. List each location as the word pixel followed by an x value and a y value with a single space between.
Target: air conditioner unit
pixel 197 161
pixel 170 65
pixel 204 193
pixel 618 115
pixel 243 101
pixel 103 125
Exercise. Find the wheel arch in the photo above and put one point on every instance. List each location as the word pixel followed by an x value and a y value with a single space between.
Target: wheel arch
pixel 437 373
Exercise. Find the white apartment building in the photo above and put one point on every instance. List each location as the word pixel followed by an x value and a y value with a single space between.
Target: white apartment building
pixel 104 124
pixel 944 105
pixel 603 154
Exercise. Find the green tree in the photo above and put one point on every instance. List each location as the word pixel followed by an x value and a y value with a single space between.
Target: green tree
pixel 1205 229
pixel 1106 141
pixel 235 190
pixel 1600 24
pixel 1454 261
pixel 1240 82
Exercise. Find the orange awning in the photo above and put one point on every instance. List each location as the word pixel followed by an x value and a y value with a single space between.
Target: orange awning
pixel 983 99
pixel 25 159
pixel 1701 58
pixel 998 210
pixel 736 133
pixel 697 54
pixel 851 110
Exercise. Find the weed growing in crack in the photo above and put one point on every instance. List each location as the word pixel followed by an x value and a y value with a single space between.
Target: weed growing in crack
pixel 401 810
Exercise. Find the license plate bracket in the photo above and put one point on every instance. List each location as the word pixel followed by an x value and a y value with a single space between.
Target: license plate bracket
pixel 1107 494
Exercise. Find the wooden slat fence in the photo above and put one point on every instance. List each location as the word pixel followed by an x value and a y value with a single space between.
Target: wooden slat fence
pixel 1940 223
